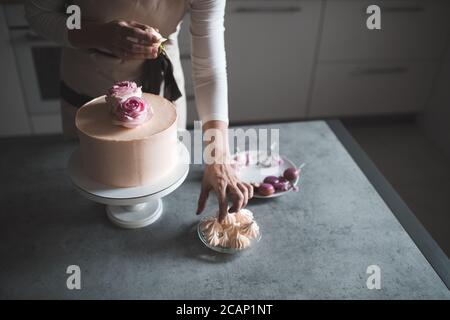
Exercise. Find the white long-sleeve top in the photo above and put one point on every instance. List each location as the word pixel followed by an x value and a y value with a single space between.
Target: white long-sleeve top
pixel 48 18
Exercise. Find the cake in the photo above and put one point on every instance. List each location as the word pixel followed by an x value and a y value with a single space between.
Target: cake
pixel 127 149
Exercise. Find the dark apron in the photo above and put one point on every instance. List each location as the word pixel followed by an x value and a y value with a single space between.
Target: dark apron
pixel 156 72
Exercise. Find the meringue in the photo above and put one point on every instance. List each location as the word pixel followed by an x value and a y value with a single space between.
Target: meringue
pixel 250 230
pixel 224 240
pixel 211 225
pixel 236 230
pixel 240 241
pixel 244 216
pixel 230 230
pixel 213 238
pixel 230 219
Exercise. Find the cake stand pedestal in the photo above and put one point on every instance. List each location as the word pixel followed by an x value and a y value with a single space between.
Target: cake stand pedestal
pixel 133 207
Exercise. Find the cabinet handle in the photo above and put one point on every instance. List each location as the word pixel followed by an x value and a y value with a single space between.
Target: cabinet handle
pixel 33 37
pixel 291 9
pixel 402 9
pixel 378 71
pixel 399 9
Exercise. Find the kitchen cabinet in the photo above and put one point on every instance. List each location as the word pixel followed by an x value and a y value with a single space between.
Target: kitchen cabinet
pixel 13 115
pixel 348 89
pixel 436 118
pixel 38 65
pixel 409 30
pixel 46 123
pixel 270 54
pixel 35 64
pixel 392 70
pixel 15 15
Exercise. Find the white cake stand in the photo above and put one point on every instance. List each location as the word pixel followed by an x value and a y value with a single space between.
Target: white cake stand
pixel 134 207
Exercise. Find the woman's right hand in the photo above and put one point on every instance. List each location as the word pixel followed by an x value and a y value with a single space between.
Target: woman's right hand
pixel 125 39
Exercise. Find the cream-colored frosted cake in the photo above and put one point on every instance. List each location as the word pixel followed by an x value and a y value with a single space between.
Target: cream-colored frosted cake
pixel 121 156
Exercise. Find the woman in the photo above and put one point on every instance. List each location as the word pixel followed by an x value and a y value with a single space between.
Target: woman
pixel 119 39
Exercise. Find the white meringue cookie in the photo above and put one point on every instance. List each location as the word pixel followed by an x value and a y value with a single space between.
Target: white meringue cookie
pixel 213 239
pixel 247 213
pixel 250 230
pixel 243 218
pixel 240 241
pixel 211 225
pixel 206 224
pixel 235 231
pixel 224 240
pixel 230 219
pixel 230 230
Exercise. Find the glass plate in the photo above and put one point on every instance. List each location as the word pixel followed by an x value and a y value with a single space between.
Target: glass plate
pixel 219 248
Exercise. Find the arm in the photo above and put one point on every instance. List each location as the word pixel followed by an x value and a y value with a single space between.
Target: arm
pixel 211 92
pixel 208 59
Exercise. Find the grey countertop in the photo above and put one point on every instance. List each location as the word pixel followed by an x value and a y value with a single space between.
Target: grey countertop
pixel 316 243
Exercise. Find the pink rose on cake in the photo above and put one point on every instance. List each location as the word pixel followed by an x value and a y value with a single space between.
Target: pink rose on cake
pixel 120 92
pixel 132 112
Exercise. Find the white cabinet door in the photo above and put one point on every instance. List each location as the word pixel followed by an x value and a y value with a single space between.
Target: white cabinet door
pixel 351 89
pixel 409 29
pixel 270 53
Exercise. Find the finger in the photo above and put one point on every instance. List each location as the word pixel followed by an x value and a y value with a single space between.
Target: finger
pixel 202 200
pixel 146 52
pixel 244 191
pixel 154 33
pixel 136 35
pixel 250 190
pixel 131 47
pixel 238 199
pixel 146 28
pixel 156 36
pixel 223 203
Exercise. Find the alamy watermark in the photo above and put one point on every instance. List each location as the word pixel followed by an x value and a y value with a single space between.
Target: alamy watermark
pixel 373 22
pixel 74 20
pixel 73 282
pixel 204 145
pixel 374 279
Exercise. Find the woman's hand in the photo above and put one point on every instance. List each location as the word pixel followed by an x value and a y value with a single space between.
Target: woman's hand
pixel 125 39
pixel 220 177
